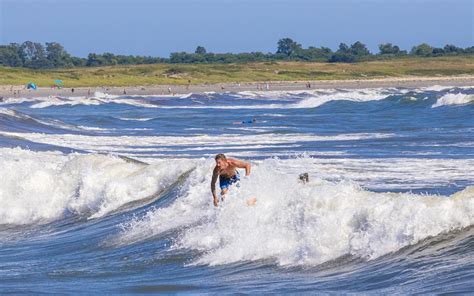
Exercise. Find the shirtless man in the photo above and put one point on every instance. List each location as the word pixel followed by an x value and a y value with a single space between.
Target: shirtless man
pixel 225 169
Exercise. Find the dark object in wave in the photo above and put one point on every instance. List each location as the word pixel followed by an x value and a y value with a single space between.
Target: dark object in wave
pixel 304 177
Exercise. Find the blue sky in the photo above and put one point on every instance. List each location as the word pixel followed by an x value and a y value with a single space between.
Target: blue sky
pixel 146 27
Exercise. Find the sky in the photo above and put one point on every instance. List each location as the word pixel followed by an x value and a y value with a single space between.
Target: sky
pixel 157 28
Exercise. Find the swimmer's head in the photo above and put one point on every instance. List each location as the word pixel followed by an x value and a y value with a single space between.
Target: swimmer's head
pixel 304 177
pixel 221 161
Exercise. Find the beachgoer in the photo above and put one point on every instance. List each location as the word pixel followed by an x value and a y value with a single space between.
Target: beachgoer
pixel 72 90
pixel 254 120
pixel 226 170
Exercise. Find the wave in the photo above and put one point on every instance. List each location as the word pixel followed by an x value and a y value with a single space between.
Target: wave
pixel 261 99
pixel 354 96
pixel 17 121
pixel 40 187
pixel 454 99
pixel 202 142
pixel 97 99
pixel 297 224
pixel 135 119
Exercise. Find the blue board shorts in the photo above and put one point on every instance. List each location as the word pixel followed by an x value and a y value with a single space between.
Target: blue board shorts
pixel 225 182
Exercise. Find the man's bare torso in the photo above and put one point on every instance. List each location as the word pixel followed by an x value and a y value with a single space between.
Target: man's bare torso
pixel 229 171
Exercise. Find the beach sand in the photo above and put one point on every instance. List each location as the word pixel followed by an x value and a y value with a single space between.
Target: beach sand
pixel 408 82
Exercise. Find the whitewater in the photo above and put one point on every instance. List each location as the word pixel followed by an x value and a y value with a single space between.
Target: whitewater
pixel 111 193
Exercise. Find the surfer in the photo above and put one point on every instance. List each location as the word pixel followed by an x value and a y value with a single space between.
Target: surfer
pixel 226 170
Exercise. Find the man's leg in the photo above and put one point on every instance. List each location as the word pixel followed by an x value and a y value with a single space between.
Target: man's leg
pixel 223 192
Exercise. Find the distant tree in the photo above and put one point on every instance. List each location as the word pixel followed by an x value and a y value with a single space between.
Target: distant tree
pixel 287 46
pixel 109 59
pixel 340 57
pixel 469 50
pixel 33 55
pixel 95 60
pixel 437 51
pixel 452 49
pixel 200 50
pixel 343 48
pixel 359 49
pixel 78 62
pixel 10 55
pixel 422 50
pixel 326 51
pixel 57 56
pixel 388 48
pixel 346 54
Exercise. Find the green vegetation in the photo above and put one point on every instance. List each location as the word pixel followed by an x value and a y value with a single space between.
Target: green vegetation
pixel 133 75
pixel 53 55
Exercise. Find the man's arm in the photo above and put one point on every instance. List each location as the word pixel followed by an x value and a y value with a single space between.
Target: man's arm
pixel 241 165
pixel 213 186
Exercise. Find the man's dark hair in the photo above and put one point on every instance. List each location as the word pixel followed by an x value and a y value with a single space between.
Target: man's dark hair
pixel 304 177
pixel 220 156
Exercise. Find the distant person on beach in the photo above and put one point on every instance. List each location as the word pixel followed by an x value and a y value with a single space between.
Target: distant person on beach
pixel 254 120
pixel 226 170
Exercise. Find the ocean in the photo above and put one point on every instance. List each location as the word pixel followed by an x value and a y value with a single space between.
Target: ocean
pixel 111 194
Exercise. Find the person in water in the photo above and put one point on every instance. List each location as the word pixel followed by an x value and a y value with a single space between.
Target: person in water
pixel 226 170
pixel 254 120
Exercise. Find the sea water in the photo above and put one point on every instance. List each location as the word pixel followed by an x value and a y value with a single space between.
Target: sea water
pixel 111 194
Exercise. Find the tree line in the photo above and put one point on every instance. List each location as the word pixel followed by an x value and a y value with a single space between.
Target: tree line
pixel 53 55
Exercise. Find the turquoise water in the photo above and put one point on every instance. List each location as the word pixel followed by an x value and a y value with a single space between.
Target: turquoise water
pixel 112 193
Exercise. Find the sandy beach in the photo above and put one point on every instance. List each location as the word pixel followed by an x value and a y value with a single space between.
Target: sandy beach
pixel 409 82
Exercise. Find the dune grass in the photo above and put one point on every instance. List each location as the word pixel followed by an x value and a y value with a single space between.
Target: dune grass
pixel 174 74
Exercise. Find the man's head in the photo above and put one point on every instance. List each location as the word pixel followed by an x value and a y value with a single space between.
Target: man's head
pixel 304 177
pixel 221 161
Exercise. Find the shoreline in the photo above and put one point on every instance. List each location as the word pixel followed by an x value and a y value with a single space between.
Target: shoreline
pixel 170 90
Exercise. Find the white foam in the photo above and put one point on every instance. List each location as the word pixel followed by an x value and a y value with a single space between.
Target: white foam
pixel 39 187
pixel 135 119
pixel 97 99
pixel 386 173
pixel 128 144
pixel 454 99
pixel 93 128
pixel 355 96
pixel 435 88
pixel 298 224
pixel 8 112
pixel 103 95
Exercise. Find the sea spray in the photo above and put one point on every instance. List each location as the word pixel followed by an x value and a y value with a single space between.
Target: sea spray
pixel 299 224
pixel 40 187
